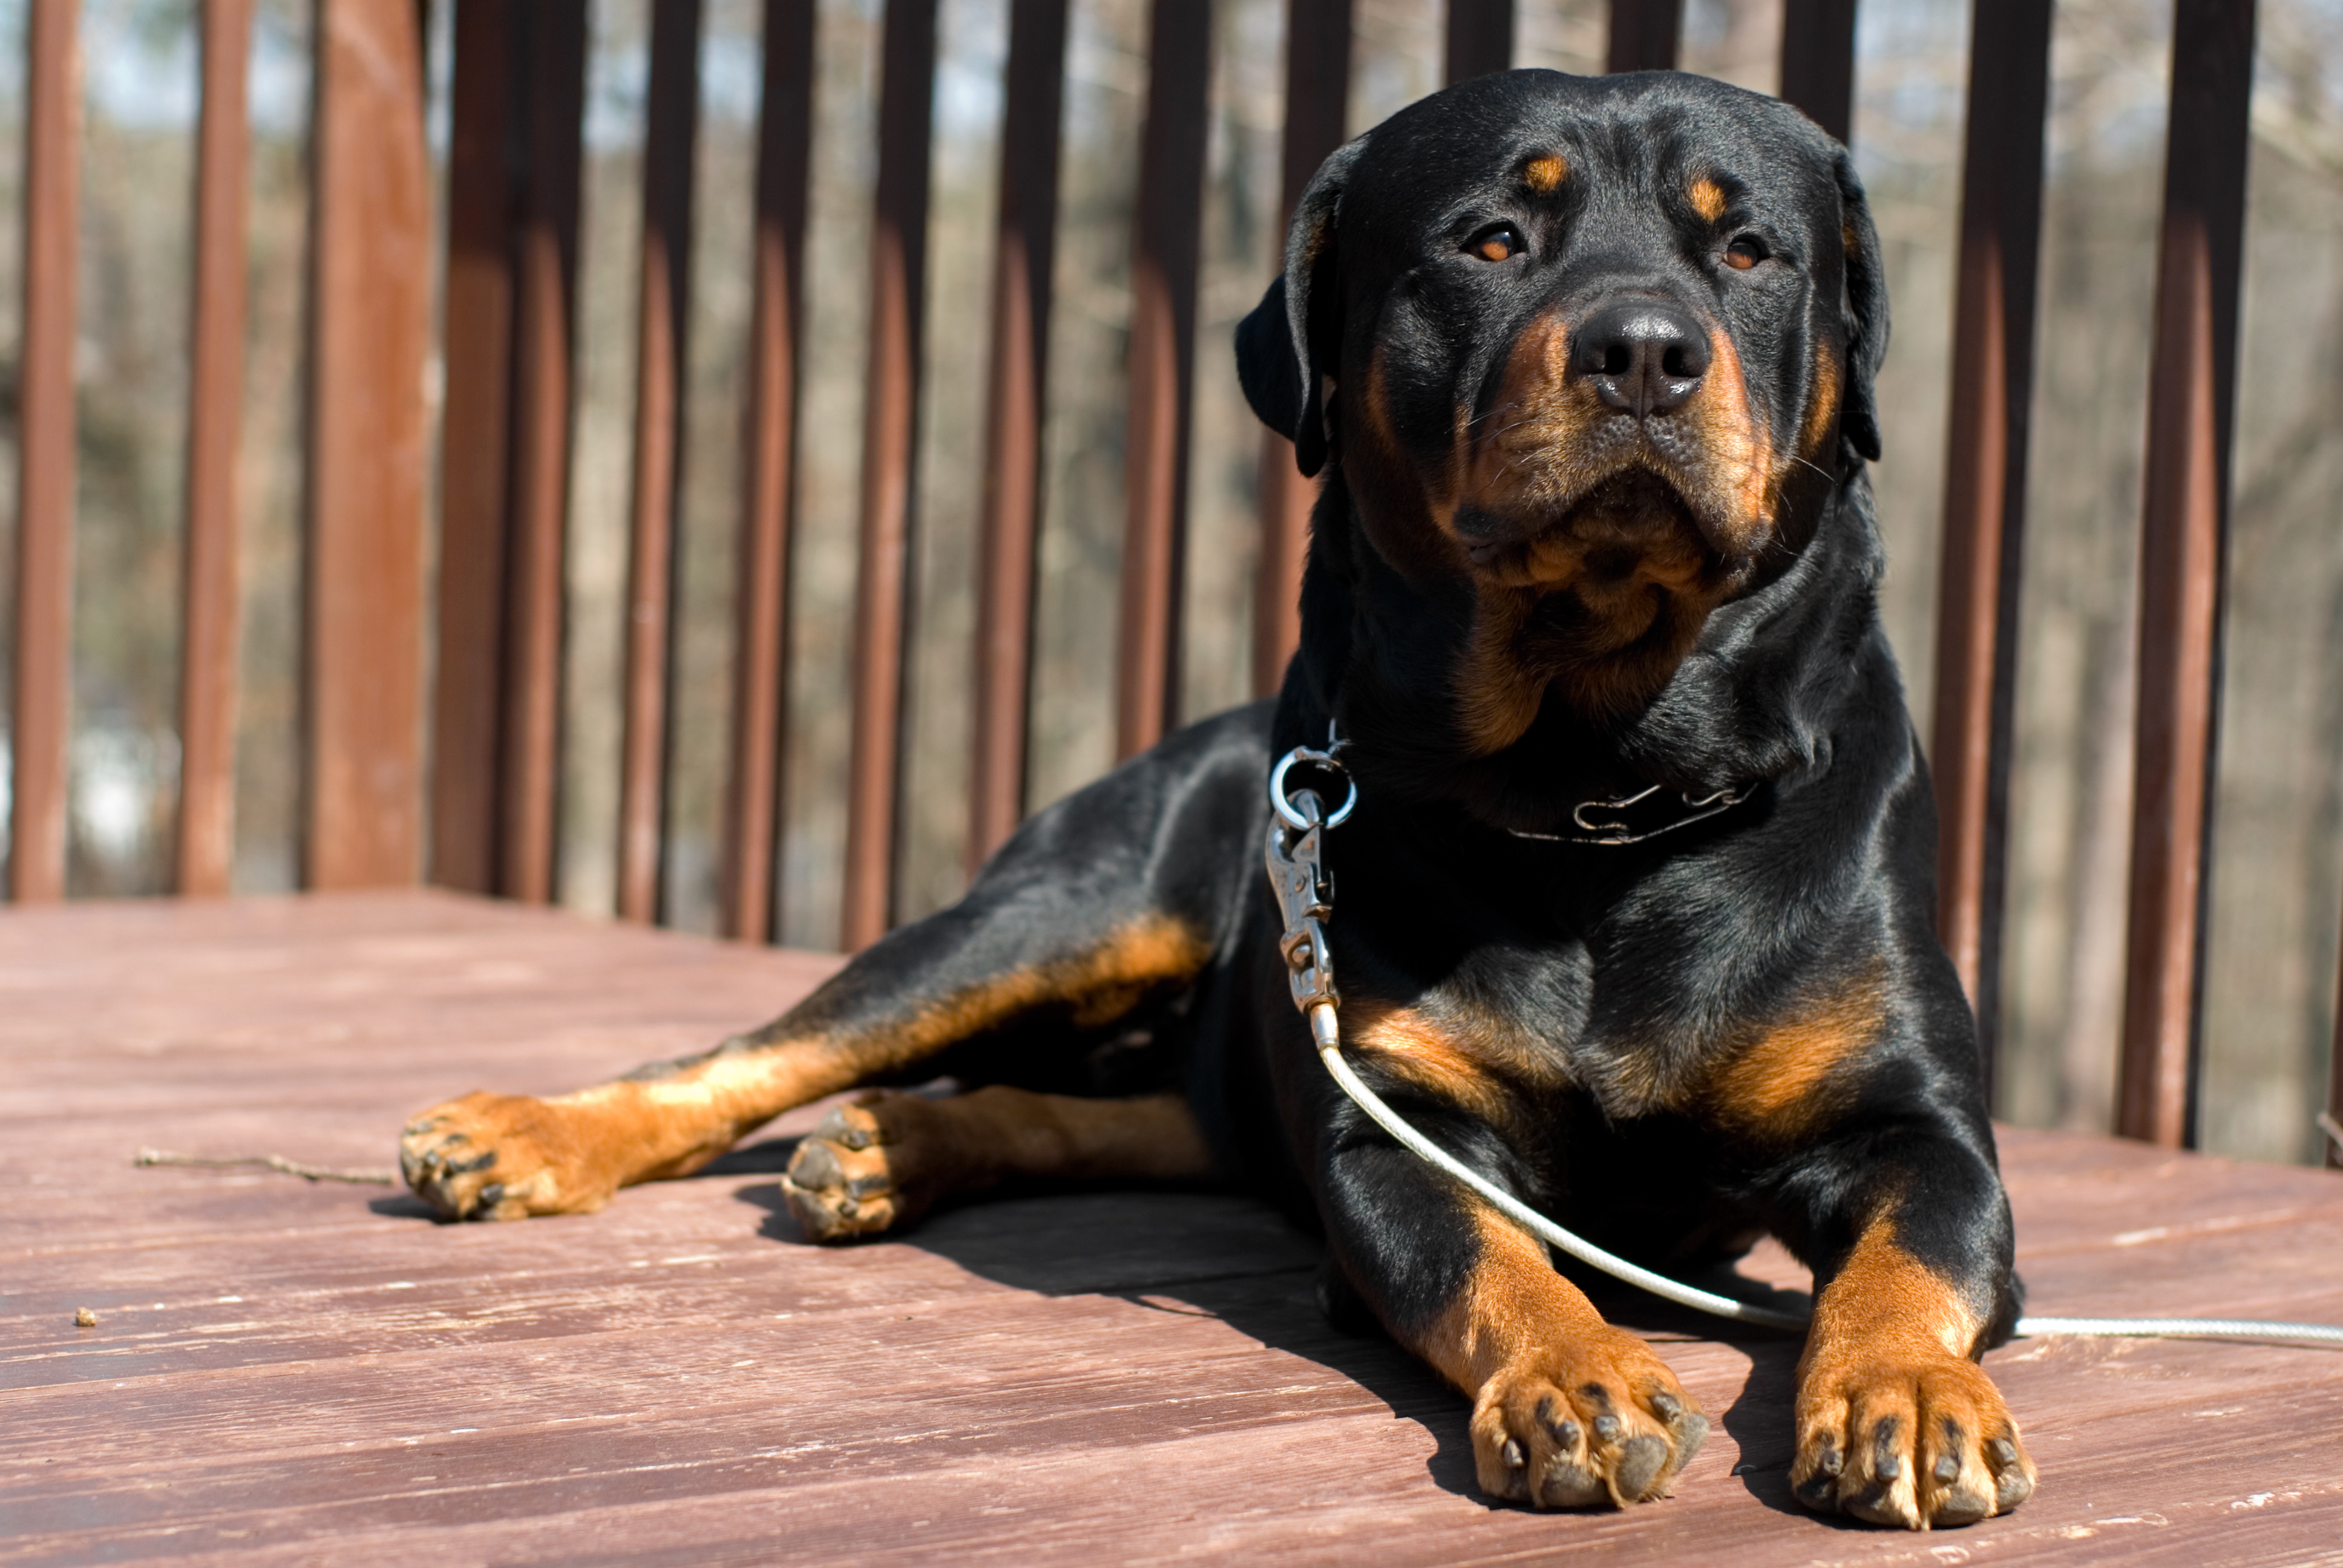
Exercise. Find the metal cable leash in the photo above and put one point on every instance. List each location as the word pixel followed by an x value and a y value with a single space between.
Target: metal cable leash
pixel 1304 890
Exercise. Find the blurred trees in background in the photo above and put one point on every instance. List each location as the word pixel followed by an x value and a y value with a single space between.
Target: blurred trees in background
pixel 2278 877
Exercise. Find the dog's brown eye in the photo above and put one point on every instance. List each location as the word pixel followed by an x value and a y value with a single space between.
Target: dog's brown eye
pixel 1745 252
pixel 1501 243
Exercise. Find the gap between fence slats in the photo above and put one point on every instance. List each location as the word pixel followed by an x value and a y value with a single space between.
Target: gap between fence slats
pixel 41 719
pixel 1317 103
pixel 1985 490
pixel 1644 35
pixel 1818 61
pixel 544 316
pixel 761 677
pixel 368 445
pixel 671 130
pixel 209 585
pixel 899 248
pixel 1162 372
pixel 1016 401
pixel 2184 530
pixel 474 447
pixel 1480 39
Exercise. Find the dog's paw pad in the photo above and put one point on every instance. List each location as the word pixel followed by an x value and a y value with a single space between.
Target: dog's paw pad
pixel 859 1172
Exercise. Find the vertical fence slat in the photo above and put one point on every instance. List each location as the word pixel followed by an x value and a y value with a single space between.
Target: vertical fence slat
pixel 1644 35
pixel 1023 257
pixel 207 657
pixel 474 449
pixel 2183 539
pixel 898 245
pixel 672 116
pixel 1818 61
pixel 761 645
pixel 1317 100
pixel 1985 489
pixel 368 442
pixel 41 721
pixel 544 315
pixel 1480 39
pixel 1162 371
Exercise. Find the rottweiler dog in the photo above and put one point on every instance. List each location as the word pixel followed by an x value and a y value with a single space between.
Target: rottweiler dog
pixel 1635 912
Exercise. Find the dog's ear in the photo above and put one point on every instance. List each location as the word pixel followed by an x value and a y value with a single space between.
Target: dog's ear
pixel 1295 335
pixel 1865 307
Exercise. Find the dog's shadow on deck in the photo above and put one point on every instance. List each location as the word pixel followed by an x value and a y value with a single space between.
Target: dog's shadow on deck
pixel 1240 1261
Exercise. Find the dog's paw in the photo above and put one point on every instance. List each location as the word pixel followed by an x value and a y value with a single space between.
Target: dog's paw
pixel 1600 1422
pixel 869 1167
pixel 501 1157
pixel 1913 1443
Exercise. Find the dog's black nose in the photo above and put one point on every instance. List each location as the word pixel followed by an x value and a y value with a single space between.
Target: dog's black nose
pixel 1642 356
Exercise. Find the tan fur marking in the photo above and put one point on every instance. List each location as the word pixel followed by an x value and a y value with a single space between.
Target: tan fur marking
pixel 1477 1070
pixel 1515 1304
pixel 1544 174
pixel 1777 1085
pixel 1822 404
pixel 1884 1299
pixel 1708 198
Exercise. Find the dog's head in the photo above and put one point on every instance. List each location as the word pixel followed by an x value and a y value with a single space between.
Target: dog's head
pixel 1599 348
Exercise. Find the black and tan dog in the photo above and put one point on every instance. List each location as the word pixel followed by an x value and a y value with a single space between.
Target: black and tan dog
pixel 1588 365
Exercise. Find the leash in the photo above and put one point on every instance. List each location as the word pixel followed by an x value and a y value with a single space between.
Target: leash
pixel 1305 888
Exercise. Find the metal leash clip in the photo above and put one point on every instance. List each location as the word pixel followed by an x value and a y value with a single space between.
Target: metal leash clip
pixel 1299 876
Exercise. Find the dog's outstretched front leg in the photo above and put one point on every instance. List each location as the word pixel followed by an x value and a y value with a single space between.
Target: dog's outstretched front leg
pixel 1896 1421
pixel 1567 1411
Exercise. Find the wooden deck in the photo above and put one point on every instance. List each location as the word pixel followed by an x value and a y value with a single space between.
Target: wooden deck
pixel 283 1373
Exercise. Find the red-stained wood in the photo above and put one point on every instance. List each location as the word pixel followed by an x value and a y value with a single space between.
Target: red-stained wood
pixel 761 681
pixel 40 719
pixel 1163 264
pixel 680 1379
pixel 544 266
pixel 370 295
pixel 1818 61
pixel 510 319
pixel 1023 254
pixel 2183 526
pixel 474 450
pixel 1985 490
pixel 1480 39
pixel 1645 34
pixel 1317 97
pixel 205 849
pixel 882 600
pixel 663 314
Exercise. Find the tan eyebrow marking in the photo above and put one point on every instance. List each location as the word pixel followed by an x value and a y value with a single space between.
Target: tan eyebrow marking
pixel 1708 198
pixel 1544 174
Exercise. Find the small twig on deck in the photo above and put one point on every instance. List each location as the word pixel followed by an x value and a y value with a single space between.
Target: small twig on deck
pixel 2333 1129
pixel 273 1162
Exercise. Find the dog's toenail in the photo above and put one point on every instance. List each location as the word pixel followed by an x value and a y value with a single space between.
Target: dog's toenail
pixel 1514 1457
pixel 1948 1467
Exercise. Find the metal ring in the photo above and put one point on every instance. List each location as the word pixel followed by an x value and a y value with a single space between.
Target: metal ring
pixel 1285 809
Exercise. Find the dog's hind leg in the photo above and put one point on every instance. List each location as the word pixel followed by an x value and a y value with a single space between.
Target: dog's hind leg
pixel 883 1162
pixel 1114 897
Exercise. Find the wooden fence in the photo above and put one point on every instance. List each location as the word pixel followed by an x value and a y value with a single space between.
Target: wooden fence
pixel 508 325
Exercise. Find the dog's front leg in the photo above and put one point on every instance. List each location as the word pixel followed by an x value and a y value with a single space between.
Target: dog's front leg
pixel 1897 1422
pixel 1567 1411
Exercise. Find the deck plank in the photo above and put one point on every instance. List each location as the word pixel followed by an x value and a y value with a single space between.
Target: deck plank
pixel 290 1373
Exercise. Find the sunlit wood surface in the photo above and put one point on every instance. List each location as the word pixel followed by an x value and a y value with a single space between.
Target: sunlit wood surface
pixel 283 1373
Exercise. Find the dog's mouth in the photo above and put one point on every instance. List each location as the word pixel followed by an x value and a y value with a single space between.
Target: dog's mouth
pixel 1630 526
